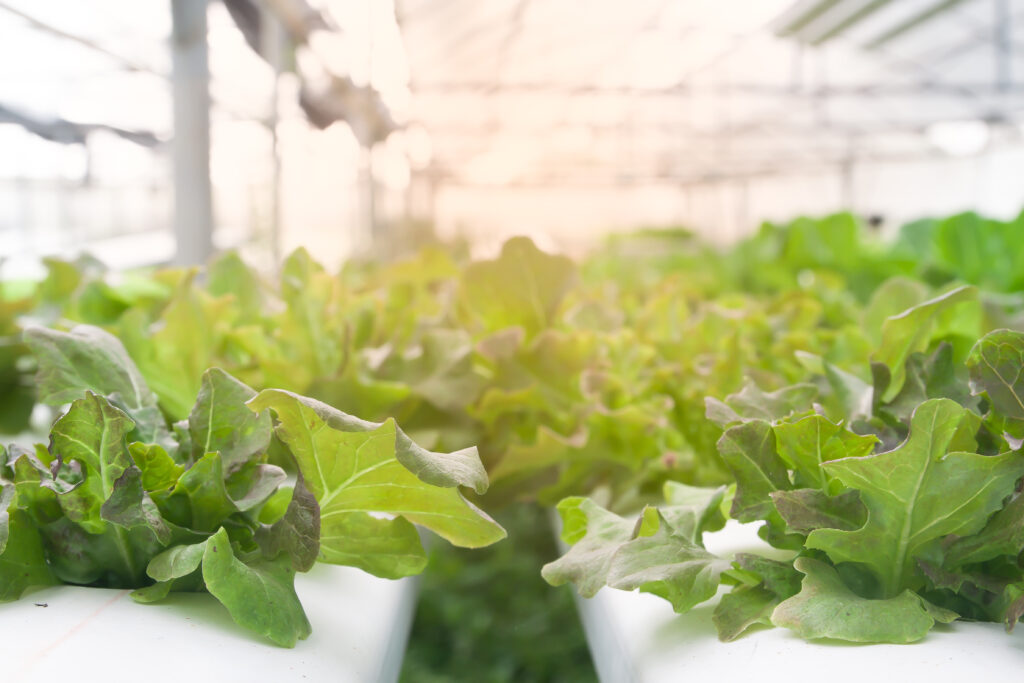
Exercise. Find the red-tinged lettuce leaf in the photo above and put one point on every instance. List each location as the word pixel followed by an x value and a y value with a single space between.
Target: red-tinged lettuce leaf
pixel 916 495
pixel 355 470
pixel 764 584
pixel 253 484
pixel 92 434
pixel 1002 536
pixel 749 452
pixel 826 608
pixel 297 532
pixel 129 506
pixel 89 359
pixel 1015 610
pixel 804 510
pixel 259 595
pixel 208 500
pixel 221 422
pixel 925 377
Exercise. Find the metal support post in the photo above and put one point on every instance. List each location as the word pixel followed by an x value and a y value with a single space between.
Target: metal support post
pixel 193 212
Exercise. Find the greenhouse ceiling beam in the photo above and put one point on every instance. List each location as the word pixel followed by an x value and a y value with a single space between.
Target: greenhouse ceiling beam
pixel 780 166
pixel 72 132
pixel 804 18
pixel 848 22
pixel 685 90
pixel 913 22
pixel 44 27
pixel 767 127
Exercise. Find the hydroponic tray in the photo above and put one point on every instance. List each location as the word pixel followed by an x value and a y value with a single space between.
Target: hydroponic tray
pixel 360 626
pixel 637 638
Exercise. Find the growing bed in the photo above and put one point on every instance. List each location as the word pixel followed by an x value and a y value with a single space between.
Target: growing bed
pixel 637 638
pixel 360 625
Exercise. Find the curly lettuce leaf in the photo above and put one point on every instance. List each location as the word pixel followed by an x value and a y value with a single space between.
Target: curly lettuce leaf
pixel 356 472
pixel 916 495
pixel 826 608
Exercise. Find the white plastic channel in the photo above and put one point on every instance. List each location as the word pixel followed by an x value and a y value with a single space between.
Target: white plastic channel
pixel 360 627
pixel 637 638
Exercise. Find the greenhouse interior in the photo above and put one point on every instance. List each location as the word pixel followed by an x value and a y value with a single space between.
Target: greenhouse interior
pixel 513 340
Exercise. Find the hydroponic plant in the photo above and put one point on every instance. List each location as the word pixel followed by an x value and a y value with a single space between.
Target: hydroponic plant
pixel 119 498
pixel 900 502
pixel 573 380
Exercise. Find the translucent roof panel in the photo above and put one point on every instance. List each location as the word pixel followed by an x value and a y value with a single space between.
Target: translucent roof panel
pixel 515 91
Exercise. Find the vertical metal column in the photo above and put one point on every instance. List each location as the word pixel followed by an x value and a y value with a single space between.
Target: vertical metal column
pixel 193 212
pixel 1003 40
pixel 373 234
pixel 272 45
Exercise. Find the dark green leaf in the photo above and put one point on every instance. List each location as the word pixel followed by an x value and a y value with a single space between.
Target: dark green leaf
pixel 805 510
pixel 260 596
pixel 826 608
pixel 92 433
pixel 917 494
pixel 131 507
pixel 297 533
pixel 221 422
pixel 748 450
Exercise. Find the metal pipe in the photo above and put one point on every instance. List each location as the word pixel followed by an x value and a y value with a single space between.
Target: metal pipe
pixel 193 204
pixel 913 22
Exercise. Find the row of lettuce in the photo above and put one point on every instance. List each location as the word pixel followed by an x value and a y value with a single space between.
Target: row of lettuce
pixel 797 378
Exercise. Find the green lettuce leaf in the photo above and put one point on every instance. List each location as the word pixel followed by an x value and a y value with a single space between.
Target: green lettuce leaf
pixel 89 359
pixel 354 470
pixel 595 535
pixel 916 495
pixel 669 564
pixel 523 287
pixel 22 561
pixel 260 595
pixel 911 331
pixel 221 422
pixel 826 608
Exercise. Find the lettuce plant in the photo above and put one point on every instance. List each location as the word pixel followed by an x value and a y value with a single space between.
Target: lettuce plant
pixel 119 498
pixel 893 518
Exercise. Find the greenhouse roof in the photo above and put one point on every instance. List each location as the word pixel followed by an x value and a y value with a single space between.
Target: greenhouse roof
pixel 515 91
